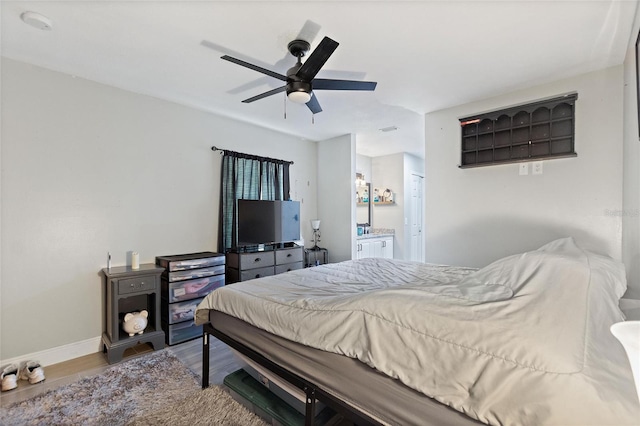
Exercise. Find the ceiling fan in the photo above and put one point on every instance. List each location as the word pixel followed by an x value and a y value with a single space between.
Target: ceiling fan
pixel 300 79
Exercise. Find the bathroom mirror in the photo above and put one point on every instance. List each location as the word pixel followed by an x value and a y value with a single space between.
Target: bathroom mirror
pixel 363 204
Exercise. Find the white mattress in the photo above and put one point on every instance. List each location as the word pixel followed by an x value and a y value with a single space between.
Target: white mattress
pixel 523 341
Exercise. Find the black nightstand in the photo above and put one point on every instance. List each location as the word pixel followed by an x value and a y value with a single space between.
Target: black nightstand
pixel 129 290
pixel 315 256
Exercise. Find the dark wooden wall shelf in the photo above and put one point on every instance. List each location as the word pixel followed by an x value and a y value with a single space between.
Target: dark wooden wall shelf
pixel 530 132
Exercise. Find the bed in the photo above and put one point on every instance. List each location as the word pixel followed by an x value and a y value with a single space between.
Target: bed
pixel 522 341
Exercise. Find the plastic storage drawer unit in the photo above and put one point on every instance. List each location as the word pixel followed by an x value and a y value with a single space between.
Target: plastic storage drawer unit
pixel 183 262
pixel 186 280
pixel 190 274
pixel 185 290
pixel 183 331
pixel 182 311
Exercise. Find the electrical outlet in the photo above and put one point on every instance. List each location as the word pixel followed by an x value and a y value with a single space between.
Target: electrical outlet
pixel 536 168
pixel 523 169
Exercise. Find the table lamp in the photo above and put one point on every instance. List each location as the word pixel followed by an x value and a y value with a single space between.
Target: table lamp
pixel 315 225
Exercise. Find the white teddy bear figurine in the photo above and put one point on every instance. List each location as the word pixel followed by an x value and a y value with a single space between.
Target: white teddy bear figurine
pixel 135 322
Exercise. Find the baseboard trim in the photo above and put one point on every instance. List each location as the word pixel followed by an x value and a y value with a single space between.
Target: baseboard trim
pixel 60 353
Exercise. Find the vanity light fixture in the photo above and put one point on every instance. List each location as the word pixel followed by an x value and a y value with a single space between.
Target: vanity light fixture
pixel 37 20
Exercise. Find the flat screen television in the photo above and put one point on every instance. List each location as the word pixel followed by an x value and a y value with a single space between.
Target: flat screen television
pixel 266 222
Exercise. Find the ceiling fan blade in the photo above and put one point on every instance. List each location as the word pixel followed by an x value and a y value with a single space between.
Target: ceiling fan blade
pixel 254 67
pixel 327 84
pixel 265 94
pixel 317 59
pixel 314 105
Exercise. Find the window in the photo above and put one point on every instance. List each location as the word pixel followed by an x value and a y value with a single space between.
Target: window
pixel 247 177
pixel 539 130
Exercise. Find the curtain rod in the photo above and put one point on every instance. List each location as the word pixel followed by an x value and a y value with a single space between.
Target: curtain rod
pixel 248 156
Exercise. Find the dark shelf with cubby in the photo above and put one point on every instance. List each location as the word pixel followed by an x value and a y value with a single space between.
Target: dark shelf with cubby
pixel 535 131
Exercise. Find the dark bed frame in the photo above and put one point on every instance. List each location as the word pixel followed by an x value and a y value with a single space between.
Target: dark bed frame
pixel 312 391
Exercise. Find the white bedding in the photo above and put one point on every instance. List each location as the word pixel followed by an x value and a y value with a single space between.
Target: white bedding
pixel 523 341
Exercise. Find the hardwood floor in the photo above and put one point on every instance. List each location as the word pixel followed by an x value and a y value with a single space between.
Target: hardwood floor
pixel 222 363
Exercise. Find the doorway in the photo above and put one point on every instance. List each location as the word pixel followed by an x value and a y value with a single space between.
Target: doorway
pixel 416 217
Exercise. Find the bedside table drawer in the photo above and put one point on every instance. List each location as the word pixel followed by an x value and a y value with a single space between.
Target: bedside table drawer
pixel 133 285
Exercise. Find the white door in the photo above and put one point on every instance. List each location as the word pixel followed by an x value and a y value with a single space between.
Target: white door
pixel 416 218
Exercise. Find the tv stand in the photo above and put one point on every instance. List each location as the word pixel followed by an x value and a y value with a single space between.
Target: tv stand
pixel 257 261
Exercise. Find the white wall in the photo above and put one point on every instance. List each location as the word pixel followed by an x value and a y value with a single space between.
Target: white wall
pixel 388 172
pixel 363 165
pixel 336 196
pixel 631 198
pixel 477 215
pixel 88 169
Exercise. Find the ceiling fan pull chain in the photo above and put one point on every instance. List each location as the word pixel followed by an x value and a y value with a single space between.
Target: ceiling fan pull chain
pixel 285 106
pixel 313 118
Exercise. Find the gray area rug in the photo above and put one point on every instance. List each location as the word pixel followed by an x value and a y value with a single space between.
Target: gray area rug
pixel 150 390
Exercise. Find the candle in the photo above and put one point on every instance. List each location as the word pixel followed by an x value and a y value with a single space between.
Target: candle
pixel 135 260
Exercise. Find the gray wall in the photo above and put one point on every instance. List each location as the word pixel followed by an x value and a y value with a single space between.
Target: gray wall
pixel 87 169
pixel 336 196
pixel 475 216
pixel 631 197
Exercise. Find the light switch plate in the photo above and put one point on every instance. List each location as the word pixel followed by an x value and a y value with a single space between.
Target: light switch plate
pixel 523 169
pixel 536 168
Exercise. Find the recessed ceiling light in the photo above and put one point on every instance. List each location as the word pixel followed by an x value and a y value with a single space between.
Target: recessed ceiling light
pixel 389 129
pixel 37 20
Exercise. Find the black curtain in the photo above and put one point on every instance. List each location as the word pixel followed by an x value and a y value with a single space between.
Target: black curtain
pixel 247 177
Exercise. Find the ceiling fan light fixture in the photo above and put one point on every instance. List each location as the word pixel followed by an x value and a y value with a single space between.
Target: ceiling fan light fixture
pixel 299 97
pixel 302 76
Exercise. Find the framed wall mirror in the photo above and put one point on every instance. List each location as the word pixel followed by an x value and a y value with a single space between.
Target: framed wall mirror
pixel 363 204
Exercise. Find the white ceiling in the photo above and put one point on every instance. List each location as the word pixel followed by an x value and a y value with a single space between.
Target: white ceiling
pixel 425 55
